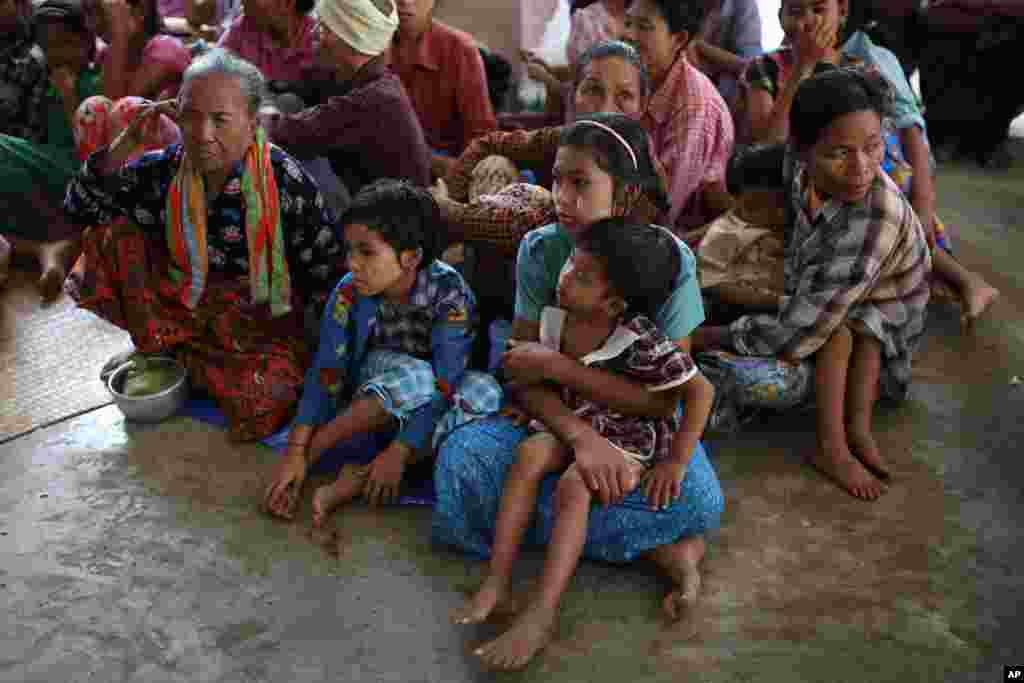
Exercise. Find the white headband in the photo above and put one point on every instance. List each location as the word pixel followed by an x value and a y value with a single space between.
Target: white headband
pixel 609 129
pixel 359 24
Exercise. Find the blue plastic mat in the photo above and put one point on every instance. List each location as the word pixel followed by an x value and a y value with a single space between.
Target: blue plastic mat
pixel 418 491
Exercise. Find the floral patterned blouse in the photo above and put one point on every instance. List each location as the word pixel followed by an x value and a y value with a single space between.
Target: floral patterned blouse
pixel 139 189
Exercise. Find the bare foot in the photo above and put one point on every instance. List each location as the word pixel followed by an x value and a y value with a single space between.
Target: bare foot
pixel 51 284
pixel 681 561
pixel 978 295
pixel 346 488
pixel 527 636
pixel 54 260
pixel 865 449
pixel 477 609
pixel 839 465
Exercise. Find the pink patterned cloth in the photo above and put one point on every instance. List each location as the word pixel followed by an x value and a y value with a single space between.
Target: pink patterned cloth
pixel 588 27
pixel 692 131
pixel 171 8
pixel 98 121
pixel 278 63
pixel 161 49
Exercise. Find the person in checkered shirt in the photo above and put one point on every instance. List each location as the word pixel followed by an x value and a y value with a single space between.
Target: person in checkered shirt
pixel 857 266
pixel 618 276
pixel 395 340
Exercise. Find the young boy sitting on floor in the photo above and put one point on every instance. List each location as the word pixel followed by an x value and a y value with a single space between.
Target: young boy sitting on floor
pixel 394 343
pixel 618 274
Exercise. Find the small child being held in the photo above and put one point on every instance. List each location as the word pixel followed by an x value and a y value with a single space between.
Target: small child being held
pixel 394 345
pixel 617 276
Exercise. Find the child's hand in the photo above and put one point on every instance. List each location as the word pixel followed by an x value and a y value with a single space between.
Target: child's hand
pixel 384 480
pixel 529 362
pixel 282 494
pixel 815 43
pixel 663 483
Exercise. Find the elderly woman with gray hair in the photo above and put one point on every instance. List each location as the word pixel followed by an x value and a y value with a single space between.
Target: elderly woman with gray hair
pixel 212 249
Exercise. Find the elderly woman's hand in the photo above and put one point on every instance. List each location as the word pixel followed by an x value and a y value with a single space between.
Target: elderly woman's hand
pixel 132 135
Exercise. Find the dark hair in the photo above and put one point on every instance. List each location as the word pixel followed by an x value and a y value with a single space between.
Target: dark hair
pixel 154 21
pixel 612 48
pixel 69 13
pixel 405 216
pixel 835 92
pixel 304 6
pixel 613 158
pixel 641 261
pixel 683 15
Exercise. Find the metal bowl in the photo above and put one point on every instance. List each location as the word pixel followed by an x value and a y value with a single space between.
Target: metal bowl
pixel 150 407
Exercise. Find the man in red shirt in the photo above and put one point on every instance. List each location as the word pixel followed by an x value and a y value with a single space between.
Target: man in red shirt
pixel 443 73
pixel 357 115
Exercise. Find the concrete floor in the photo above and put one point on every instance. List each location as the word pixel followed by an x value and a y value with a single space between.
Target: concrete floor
pixel 138 554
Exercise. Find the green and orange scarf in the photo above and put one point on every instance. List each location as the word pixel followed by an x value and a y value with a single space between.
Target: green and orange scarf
pixel 186 231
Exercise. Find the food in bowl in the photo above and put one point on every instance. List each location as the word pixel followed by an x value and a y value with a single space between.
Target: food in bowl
pixel 148 376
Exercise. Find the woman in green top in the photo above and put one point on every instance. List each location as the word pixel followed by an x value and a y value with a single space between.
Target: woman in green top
pixel 34 174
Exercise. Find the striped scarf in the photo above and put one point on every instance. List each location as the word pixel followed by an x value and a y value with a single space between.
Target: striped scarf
pixel 269 281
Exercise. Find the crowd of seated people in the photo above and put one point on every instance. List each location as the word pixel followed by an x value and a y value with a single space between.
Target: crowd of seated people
pixel 269 193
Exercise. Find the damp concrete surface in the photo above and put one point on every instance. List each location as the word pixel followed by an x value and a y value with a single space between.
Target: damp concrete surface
pixel 131 553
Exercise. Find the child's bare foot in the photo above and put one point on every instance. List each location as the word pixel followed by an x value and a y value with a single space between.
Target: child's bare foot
pixel 346 488
pixel 514 649
pixel 978 295
pixel 681 560
pixel 865 448
pixel 839 465
pixel 50 284
pixel 492 595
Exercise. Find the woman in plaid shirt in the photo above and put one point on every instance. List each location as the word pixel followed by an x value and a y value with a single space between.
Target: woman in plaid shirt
pixel 857 263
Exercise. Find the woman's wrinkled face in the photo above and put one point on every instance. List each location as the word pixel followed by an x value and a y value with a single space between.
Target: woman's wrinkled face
pixel 583 287
pixel 414 16
pixel 64 47
pixel 216 124
pixel 803 16
pixel 375 265
pixel 610 84
pixel 584 192
pixel 846 159
pixel 648 32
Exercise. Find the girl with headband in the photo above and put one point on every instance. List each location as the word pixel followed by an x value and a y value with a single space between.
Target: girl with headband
pixel 603 165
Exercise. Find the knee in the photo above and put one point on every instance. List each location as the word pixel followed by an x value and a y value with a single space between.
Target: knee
pixel 572 491
pixel 841 341
pixel 531 462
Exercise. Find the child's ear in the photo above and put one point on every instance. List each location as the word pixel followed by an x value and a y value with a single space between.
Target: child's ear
pixel 616 306
pixel 410 259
